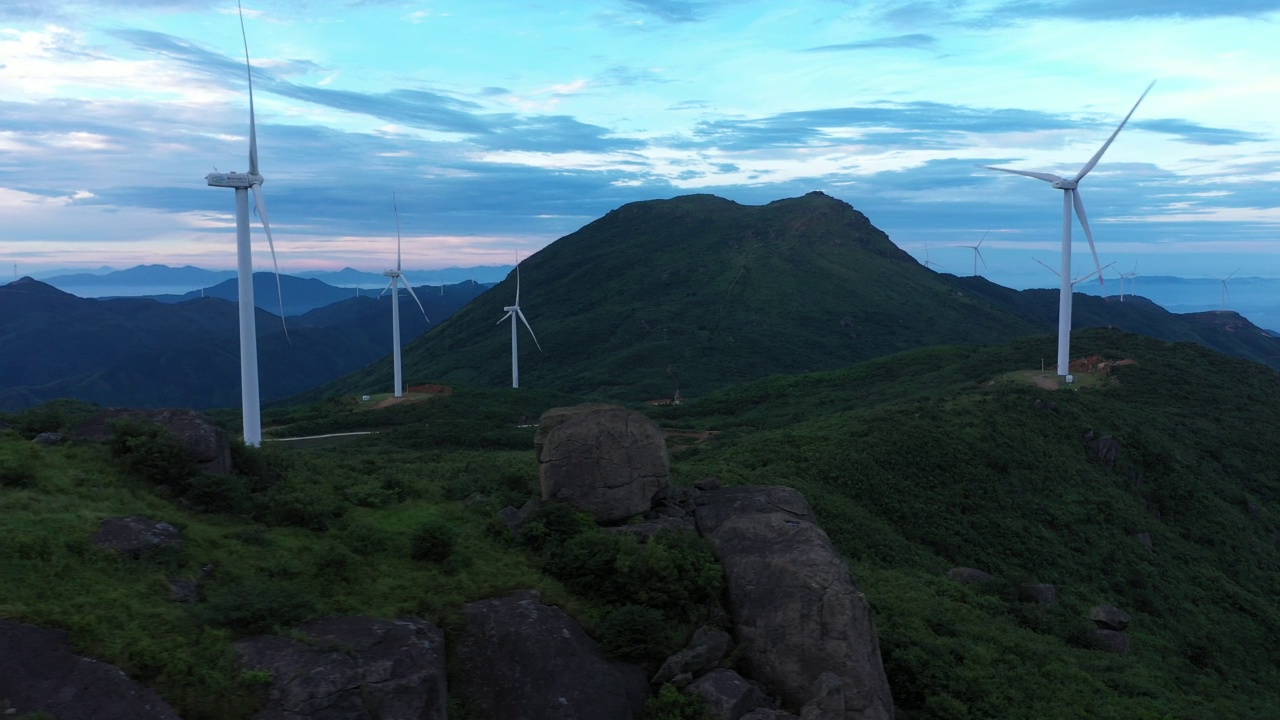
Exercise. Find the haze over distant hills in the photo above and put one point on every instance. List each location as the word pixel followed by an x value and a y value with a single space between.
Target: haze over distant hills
pixel 153 280
pixel 139 352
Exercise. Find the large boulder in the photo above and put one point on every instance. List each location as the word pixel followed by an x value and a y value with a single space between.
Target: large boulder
pixel 519 659
pixel 352 668
pixel 970 576
pixel 39 672
pixel 605 460
pixel 796 609
pixel 727 695
pixel 703 653
pixel 1110 618
pixel 136 536
pixel 205 442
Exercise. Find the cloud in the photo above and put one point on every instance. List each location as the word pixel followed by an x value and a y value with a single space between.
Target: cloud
pixel 672 11
pixel 1130 9
pixel 914 41
pixel 1198 134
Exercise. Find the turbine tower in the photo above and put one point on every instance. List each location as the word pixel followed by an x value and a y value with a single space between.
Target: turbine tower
pixel 513 311
pixel 1071 199
pixel 1224 280
pixel 242 183
pixel 977 253
pixel 1075 282
pixel 927 262
pixel 394 287
pixel 1132 277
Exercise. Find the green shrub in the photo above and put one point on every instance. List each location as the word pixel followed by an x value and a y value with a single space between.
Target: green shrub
pixel 258 605
pixel 553 524
pixel 150 452
pixel 633 632
pixel 295 502
pixel 365 539
pixel 671 704
pixel 433 541
pixel 17 465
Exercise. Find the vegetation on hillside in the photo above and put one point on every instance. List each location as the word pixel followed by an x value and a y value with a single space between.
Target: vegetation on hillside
pixel 915 464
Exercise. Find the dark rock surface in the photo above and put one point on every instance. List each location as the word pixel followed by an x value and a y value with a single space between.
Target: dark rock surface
pixel 969 575
pixel 49 438
pixel 1042 593
pixel 1110 618
pixel 705 651
pixel 207 443
pixel 607 461
pixel 796 609
pixel 520 659
pixel 1105 449
pixel 134 535
pixel 1112 641
pixel 39 672
pixel 353 668
pixel 728 695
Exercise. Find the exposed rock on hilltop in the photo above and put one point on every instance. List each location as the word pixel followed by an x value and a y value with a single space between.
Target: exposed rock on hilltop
pixel 40 673
pixel 797 611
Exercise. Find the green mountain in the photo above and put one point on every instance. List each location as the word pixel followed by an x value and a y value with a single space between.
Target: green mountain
pixel 698 293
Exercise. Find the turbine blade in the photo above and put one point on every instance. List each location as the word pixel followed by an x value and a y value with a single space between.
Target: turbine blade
pixel 261 203
pixel 1233 273
pixel 388 287
pixel 409 286
pixel 396 210
pixel 984 237
pixel 253 129
pixel 1084 223
pixel 526 324
pixel 1047 177
pixel 1046 267
pixel 517 284
pixel 984 260
pixel 504 317
pixel 1098 155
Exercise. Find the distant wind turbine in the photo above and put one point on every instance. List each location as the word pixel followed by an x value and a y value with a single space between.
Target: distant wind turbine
pixel 394 287
pixel 1132 277
pixel 1224 280
pixel 513 311
pixel 243 183
pixel 927 262
pixel 977 253
pixel 1071 198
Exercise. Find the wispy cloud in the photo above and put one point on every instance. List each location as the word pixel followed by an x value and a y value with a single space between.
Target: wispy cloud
pixel 914 41
pixel 672 11
pixel 1197 134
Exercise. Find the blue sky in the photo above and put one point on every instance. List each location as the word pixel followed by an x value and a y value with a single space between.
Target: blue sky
pixel 503 125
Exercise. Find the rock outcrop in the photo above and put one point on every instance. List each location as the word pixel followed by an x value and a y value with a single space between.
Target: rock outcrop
pixel 1042 593
pixel 135 536
pixel 796 609
pixel 727 695
pixel 1110 618
pixel 971 576
pixel 206 443
pixel 520 658
pixel 703 653
pixel 602 459
pixel 352 668
pixel 39 672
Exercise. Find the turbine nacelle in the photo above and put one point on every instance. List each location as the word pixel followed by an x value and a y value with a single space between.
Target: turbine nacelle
pixel 1066 184
pixel 391 273
pixel 233 180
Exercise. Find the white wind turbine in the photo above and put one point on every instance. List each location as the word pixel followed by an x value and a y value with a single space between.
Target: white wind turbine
pixel 977 253
pixel 1224 280
pixel 1132 277
pixel 927 262
pixel 242 183
pixel 513 311
pixel 1071 198
pixel 394 287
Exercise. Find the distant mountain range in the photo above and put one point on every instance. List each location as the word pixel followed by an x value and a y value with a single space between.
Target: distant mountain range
pixel 700 293
pixel 158 280
pixel 139 352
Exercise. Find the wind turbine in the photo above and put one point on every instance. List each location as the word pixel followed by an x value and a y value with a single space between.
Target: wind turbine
pixel 1071 198
pixel 513 311
pixel 242 183
pixel 1132 277
pixel 977 253
pixel 1224 280
pixel 927 262
pixel 394 287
